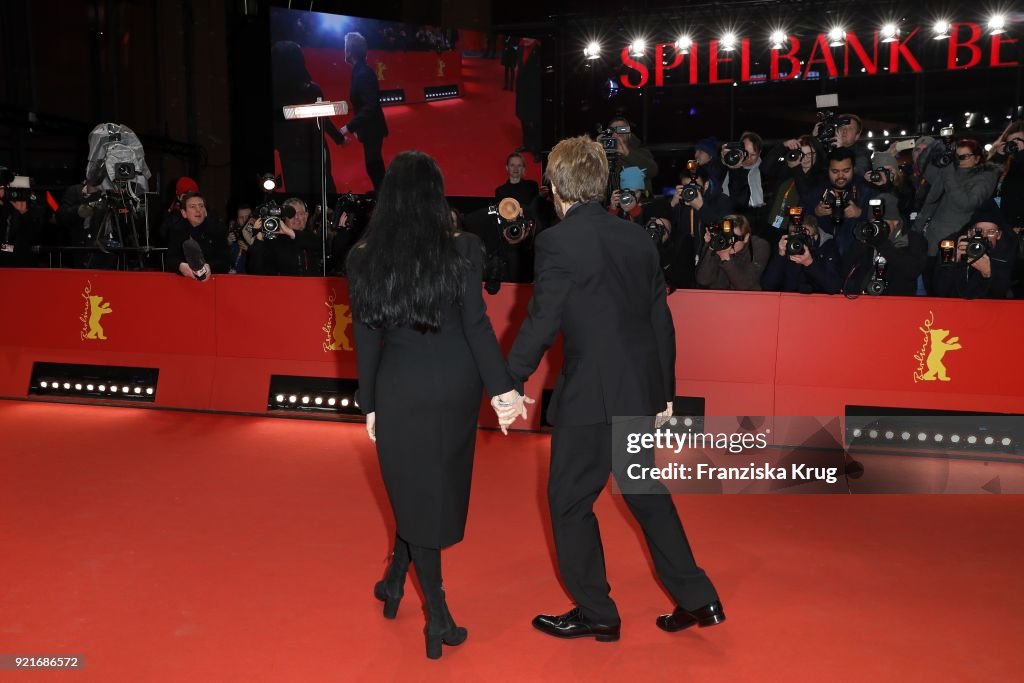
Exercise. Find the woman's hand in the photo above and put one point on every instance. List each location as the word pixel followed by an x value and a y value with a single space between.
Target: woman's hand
pixel 371 426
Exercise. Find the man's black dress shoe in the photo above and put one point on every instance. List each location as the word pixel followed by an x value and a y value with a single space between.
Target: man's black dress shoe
pixel 708 615
pixel 572 624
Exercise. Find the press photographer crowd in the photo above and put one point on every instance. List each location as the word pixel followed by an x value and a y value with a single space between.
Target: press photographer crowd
pixel 818 213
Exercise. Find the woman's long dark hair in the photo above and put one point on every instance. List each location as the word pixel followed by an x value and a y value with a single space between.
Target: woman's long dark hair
pixel 406 269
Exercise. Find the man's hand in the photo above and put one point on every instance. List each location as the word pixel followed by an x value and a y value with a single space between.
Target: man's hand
pixel 663 416
pixel 186 271
pixel 371 426
pixel 822 209
pixel 614 202
pixel 508 407
pixel 622 147
pixel 852 211
pixel 805 259
pixel 792 144
pixel 782 245
pixel 983 266
pixel 285 230
pixel 677 196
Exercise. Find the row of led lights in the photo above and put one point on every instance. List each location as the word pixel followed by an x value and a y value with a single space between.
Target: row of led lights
pixel 938 438
pixel 779 38
pixel 113 388
pixel 443 93
pixel 390 99
pixel 330 401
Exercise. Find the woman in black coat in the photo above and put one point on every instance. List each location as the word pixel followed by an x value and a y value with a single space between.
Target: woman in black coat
pixel 425 350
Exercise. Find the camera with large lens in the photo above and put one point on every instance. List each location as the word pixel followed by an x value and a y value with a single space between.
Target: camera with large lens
pixel 722 236
pixel 837 201
pixel 609 143
pixel 628 199
pixel 977 246
pixel 794 154
pixel 948 155
pixel 735 153
pixel 512 222
pixel 876 230
pixel 655 230
pixel 358 209
pixel 876 283
pixel 1013 147
pixel 690 192
pixel 798 241
pixel 271 214
pixel 880 176
pixel 16 188
pixel 829 128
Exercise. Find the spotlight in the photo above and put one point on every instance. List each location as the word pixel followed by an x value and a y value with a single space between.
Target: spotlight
pixel 638 47
pixel 728 42
pixel 955 438
pixel 837 36
pixel 113 388
pixel 344 403
pixel 43 384
pixel 856 433
pixel 889 435
pixel 319 401
pixel 138 390
pixel 905 436
pixel 125 389
pixel 942 29
pixel 778 40
pixel 885 133
pixel 938 438
pixel 592 50
pixel 269 182
pixel 89 387
pixel 67 385
pixel 102 387
pixel 280 398
pixel 1005 441
pixel 331 401
pixel 293 398
pixel 149 391
pixel 684 44
pixel 78 387
pixel 903 132
pixel 305 400
pixel 989 441
pixel 972 439
pixel 997 24
pixel 922 436
pixel 890 33
pixel 873 433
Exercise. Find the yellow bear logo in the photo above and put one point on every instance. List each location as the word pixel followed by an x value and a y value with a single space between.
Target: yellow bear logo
pixel 381 68
pixel 440 67
pixel 339 320
pixel 939 346
pixel 95 309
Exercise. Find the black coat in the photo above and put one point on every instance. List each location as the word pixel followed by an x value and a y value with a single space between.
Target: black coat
pixel 821 277
pixel 599 281
pixel 961 280
pixel 368 122
pixel 903 265
pixel 425 391
pixel 212 237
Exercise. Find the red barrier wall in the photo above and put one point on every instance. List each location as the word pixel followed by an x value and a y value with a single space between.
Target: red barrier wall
pixel 216 344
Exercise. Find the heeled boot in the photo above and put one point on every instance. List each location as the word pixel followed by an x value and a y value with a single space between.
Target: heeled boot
pixel 392 588
pixel 441 628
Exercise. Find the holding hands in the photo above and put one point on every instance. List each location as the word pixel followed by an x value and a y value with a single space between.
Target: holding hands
pixel 508 407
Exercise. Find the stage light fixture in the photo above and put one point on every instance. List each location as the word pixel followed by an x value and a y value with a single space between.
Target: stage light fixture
pixel 942 29
pixel 637 47
pixel 592 50
pixel 836 36
pixel 268 182
pixel 779 40
pixel 280 398
pixel 684 44
pixel 314 110
pixel 344 403
pixel 997 24
pixel 890 33
pixel 728 42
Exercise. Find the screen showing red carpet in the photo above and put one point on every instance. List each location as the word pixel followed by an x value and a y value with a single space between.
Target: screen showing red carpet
pixel 465 98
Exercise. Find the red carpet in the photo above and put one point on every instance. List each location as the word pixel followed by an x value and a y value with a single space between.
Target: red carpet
pixel 170 546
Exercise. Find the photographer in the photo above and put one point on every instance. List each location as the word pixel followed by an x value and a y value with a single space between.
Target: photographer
pixel 675 248
pixel 18 231
pixel 1008 153
pixel 848 131
pixel 980 264
pixel 173 218
pixel 628 201
pixel 206 231
pixel 707 206
pixel 519 188
pixel 839 201
pixel 810 264
pixel 750 178
pixel 707 154
pixel 740 261
pixel 801 157
pixel 959 185
pixel 886 177
pixel 240 238
pixel 896 251
pixel 291 250
pixel 632 152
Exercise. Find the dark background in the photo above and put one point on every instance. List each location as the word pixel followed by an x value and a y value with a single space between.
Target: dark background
pixel 191 77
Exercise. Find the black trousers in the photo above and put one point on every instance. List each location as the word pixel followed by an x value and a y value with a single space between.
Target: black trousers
pixel 374 159
pixel 581 460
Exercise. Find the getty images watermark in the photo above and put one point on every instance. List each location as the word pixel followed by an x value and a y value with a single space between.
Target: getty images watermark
pixel 846 454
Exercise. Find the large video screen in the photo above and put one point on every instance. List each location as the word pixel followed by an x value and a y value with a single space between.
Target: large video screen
pixel 465 98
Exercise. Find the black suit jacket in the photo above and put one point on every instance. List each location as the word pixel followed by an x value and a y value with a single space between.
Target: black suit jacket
pixel 598 280
pixel 368 122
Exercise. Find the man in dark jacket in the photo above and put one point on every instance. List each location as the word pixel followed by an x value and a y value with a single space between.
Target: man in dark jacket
pixel 707 207
pixel 897 251
pixel 841 200
pixel 815 269
pixel 632 152
pixel 296 250
pixel 599 282
pixel 979 277
pixel 209 233
pixel 368 123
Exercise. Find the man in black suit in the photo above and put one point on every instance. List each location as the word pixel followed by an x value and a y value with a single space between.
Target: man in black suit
pixel 598 280
pixel 368 122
